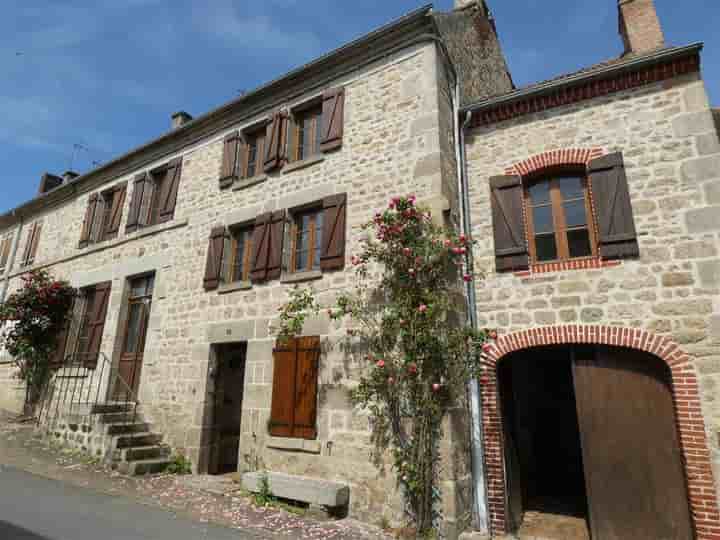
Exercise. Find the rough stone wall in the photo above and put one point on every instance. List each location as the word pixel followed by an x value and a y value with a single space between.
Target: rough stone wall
pixel 672 155
pixel 391 146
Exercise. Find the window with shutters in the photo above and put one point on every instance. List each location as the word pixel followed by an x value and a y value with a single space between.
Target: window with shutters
pixel 306 133
pixel 293 411
pixel 82 337
pixel 154 196
pixel 559 218
pixel 254 152
pixel 306 240
pixel 5 247
pixel 103 215
pixel 239 255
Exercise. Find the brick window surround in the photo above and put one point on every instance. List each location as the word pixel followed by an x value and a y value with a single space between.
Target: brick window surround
pixel 534 165
pixel 686 397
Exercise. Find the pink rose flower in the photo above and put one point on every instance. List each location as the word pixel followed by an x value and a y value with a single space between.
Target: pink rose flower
pixel 380 363
pixel 422 308
pixel 391 381
pixel 486 347
pixel 493 334
pixel 463 238
pixel 407 251
pixel 436 387
pixel 468 278
pixel 448 243
pixel 412 368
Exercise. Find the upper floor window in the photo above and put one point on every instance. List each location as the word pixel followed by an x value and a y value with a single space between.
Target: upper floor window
pixel 307 240
pixel 103 215
pixel 306 133
pixel 254 148
pixel 239 255
pixel 31 244
pixel 154 196
pixel 5 246
pixel 559 218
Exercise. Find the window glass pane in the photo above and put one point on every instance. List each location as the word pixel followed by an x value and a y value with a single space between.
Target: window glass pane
pixel 575 215
pixel 545 247
pixel 239 258
pixel 543 219
pixel 540 193
pixel 133 331
pixel 579 243
pixel 571 187
pixel 150 285
pixel 318 239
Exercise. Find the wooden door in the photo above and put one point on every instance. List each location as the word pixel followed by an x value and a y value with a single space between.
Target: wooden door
pixel 133 348
pixel 633 467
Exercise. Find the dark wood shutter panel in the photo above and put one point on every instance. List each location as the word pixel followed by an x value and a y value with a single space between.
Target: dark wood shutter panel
pixel 511 252
pixel 58 355
pixel 229 171
pixel 135 202
pixel 275 244
pixel 169 191
pixel 261 244
pixel 306 386
pixel 283 394
pixel 333 119
pixel 34 241
pixel 96 323
pixel 273 139
pixel 88 221
pixel 213 265
pixel 116 209
pixel 332 256
pixel 611 195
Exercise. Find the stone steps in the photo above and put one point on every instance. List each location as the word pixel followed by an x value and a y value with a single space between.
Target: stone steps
pixel 138 453
pixel 141 438
pixel 125 428
pixel 143 466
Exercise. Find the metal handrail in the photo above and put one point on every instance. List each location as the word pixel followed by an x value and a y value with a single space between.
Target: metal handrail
pixel 58 388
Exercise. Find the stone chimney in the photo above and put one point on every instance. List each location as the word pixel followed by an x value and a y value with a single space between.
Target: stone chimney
pixel 68 176
pixel 462 4
pixel 48 182
pixel 639 26
pixel 180 118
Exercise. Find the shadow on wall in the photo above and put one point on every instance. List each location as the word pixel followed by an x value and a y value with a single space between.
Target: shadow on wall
pixel 10 531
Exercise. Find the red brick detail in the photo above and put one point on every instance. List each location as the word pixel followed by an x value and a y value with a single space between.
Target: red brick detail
pixel 587 89
pixel 553 158
pixel 579 264
pixel 690 422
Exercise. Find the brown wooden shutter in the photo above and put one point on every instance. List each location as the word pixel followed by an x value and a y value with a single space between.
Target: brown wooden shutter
pixel 611 195
pixel 333 119
pixel 34 241
pixel 58 355
pixel 116 209
pixel 275 246
pixel 88 221
pixel 5 253
pixel 273 140
pixel 332 256
pixel 282 408
pixel 135 202
pixel 506 197
pixel 213 265
pixel 306 386
pixel 169 192
pixel 229 171
pixel 96 323
pixel 260 244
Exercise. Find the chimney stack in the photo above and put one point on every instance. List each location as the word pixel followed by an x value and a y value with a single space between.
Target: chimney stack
pixel 48 182
pixel 462 4
pixel 639 26
pixel 180 118
pixel 69 176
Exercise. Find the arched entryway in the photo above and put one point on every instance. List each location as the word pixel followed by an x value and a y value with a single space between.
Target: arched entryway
pixel 612 364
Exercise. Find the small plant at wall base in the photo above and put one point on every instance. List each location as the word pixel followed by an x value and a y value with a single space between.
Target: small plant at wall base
pixel 36 315
pixel 406 316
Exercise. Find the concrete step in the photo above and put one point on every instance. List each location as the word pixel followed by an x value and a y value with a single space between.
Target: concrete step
pixel 143 466
pixel 144 452
pixel 135 440
pixel 122 428
pixel 118 417
pixel 112 407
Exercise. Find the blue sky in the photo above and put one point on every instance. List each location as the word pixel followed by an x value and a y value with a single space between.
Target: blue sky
pixel 107 74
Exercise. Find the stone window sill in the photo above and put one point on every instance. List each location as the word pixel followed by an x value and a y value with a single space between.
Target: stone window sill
pixel 296 445
pixel 226 288
pixel 299 277
pixel 297 165
pixel 242 183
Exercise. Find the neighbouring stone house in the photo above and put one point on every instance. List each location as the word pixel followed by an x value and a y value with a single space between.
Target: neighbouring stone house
pixel 594 199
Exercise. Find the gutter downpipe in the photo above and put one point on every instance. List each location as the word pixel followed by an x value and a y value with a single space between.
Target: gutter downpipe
pixel 480 509
pixel 11 261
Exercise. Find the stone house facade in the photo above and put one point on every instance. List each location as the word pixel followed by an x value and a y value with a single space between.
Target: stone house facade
pixel 594 201
pixel 186 247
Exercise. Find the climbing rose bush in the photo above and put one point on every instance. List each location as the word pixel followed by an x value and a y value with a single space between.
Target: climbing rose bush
pixel 33 317
pixel 407 317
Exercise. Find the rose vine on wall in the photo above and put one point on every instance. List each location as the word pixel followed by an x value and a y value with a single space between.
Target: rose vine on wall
pixel 406 314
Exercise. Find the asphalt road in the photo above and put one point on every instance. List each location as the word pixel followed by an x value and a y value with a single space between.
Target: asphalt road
pixel 36 508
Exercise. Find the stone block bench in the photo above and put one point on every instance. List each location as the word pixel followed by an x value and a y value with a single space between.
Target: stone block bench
pixel 300 488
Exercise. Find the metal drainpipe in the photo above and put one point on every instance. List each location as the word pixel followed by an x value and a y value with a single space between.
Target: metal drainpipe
pixel 11 261
pixel 480 512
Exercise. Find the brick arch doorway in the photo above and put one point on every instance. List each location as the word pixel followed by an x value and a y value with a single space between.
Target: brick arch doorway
pixel 633 358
